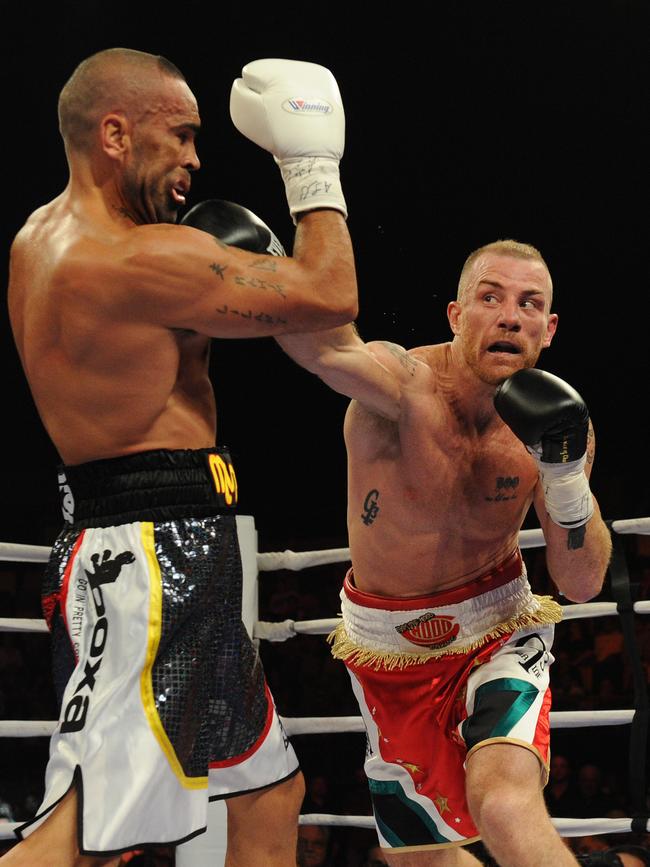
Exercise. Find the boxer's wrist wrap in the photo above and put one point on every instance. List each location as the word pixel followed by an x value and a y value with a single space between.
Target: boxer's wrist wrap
pixel 567 495
pixel 312 182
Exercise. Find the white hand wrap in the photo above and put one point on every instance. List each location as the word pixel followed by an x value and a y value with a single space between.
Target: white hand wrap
pixel 294 110
pixel 312 182
pixel 567 495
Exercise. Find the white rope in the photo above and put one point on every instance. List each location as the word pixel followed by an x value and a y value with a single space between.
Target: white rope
pixel 296 560
pixel 24 553
pixel 343 821
pixel 282 630
pixel 285 629
pixel 22 624
pixel 632 526
pixel 599 609
pixel 565 827
pixel 578 719
pixel 587 827
pixel 322 725
pixel 26 728
pixel 588 609
pixel 559 720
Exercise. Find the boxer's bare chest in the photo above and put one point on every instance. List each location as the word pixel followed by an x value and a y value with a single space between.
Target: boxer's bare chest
pixel 430 489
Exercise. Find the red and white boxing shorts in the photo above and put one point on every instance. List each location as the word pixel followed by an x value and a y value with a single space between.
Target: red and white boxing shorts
pixel 438 677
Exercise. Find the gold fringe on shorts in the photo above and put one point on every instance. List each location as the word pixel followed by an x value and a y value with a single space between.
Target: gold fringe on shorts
pixel 345 649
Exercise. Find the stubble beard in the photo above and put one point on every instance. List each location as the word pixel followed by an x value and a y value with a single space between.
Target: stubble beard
pixel 493 376
pixel 148 199
pixel 163 207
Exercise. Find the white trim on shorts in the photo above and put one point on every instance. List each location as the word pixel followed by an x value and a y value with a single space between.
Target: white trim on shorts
pixel 110 739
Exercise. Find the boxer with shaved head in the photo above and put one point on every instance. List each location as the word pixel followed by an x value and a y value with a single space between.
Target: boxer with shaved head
pixel 113 303
pixel 447 647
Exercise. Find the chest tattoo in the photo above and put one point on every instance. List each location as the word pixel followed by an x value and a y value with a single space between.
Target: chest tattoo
pixel 505 489
pixel 370 507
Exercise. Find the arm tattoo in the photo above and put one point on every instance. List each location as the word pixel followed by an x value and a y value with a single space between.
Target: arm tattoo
pixel 402 356
pixel 576 538
pixel 256 283
pixel 370 507
pixel 251 282
pixel 266 264
pixel 218 269
pixel 248 314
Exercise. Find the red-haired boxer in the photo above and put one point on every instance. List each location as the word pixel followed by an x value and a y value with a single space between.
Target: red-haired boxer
pixel 447 647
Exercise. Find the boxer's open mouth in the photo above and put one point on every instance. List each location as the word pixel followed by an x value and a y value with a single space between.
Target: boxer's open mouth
pixel 178 194
pixel 504 346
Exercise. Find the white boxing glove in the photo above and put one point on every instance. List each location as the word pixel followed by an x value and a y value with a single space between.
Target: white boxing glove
pixel 293 109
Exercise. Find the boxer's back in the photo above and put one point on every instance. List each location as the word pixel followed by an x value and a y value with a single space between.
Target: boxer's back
pixel 106 377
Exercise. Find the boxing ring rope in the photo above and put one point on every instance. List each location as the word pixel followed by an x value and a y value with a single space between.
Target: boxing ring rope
pixel 302 559
pixel 255 562
pixel 299 560
pixel 296 560
pixel 565 827
pixel 328 725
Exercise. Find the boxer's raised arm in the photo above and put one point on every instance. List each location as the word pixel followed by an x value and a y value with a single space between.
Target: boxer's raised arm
pixel 180 277
pixel 187 279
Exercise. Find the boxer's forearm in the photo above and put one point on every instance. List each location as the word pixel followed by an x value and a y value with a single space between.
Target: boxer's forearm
pixel 577 559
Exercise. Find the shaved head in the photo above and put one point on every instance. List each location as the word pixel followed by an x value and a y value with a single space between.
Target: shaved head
pixel 506 247
pixel 116 80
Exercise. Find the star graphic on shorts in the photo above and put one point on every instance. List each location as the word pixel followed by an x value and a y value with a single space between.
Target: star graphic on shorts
pixel 442 805
pixel 409 766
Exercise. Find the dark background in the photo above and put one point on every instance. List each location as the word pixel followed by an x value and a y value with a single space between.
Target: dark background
pixel 467 123
pixel 488 120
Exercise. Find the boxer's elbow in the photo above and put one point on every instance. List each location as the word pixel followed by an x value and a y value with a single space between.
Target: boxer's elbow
pixel 333 295
pixel 341 302
pixel 347 311
pixel 584 587
pixel 321 313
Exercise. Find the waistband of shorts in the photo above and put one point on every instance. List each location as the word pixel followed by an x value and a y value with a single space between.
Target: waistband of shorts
pixel 156 485
pixel 511 568
pixel 387 632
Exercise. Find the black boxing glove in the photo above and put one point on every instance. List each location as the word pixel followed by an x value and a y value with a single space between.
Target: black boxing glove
pixel 552 421
pixel 234 225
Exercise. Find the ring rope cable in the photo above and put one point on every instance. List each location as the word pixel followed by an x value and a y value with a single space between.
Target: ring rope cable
pixel 268 562
pixel 327 725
